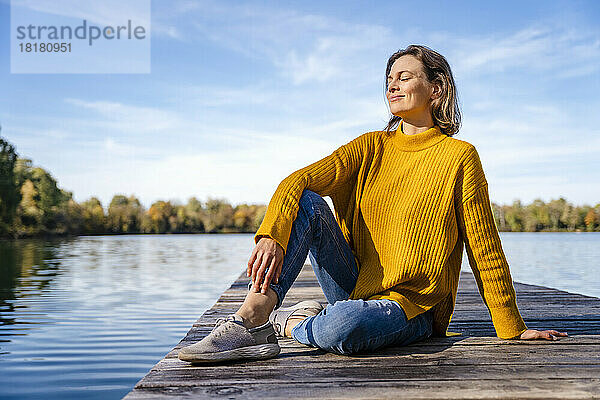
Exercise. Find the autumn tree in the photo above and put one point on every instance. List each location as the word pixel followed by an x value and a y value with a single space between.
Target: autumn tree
pixel 195 215
pixel 44 207
pixel 219 216
pixel 261 210
pixel 242 217
pixel 69 218
pixel 125 214
pixel 29 214
pixel 9 191
pixel 160 218
pixel 515 216
pixel 94 219
pixel 591 220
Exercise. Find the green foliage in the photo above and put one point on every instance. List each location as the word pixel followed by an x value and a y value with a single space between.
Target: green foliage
pixel 125 214
pixel 161 218
pixel 43 208
pixel 218 216
pixel 9 191
pixel 247 218
pixel 94 219
pixel 554 216
pixel 194 216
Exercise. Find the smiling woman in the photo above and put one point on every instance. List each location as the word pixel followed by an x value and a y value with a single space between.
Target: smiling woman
pixel 421 79
pixel 407 201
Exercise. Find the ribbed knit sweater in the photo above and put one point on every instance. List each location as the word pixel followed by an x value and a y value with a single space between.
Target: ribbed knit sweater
pixel 407 206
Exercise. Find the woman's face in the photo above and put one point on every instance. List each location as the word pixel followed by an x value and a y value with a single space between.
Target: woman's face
pixel 409 92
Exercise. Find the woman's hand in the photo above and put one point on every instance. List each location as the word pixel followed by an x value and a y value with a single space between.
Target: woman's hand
pixel 267 254
pixel 532 334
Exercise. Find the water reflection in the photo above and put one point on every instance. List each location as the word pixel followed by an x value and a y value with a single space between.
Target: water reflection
pixel 87 317
pixel 27 268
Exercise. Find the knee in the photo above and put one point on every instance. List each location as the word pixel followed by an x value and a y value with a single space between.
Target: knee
pixel 312 202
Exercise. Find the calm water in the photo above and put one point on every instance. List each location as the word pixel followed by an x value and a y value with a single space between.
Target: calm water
pixel 88 317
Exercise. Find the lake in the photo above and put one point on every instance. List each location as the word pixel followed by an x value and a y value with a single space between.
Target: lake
pixel 87 317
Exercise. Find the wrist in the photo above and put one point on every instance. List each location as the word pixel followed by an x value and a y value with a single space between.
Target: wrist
pixel 520 334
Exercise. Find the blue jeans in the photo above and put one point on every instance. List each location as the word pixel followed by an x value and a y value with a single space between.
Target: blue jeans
pixel 344 326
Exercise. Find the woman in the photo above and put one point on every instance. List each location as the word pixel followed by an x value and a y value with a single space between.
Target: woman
pixel 407 199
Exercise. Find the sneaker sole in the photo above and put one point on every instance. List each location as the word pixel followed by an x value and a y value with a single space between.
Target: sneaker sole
pixel 258 352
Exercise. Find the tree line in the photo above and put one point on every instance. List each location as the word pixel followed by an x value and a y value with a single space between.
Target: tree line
pixel 32 204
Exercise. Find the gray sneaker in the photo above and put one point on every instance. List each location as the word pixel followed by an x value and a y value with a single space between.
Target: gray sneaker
pixel 231 340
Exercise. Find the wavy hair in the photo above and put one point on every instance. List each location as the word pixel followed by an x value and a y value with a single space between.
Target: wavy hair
pixel 445 111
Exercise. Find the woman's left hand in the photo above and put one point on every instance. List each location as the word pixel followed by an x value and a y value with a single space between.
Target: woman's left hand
pixel 532 334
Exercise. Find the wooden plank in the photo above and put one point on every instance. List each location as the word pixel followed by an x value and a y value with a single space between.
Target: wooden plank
pixel 275 376
pixel 476 364
pixel 486 358
pixel 585 343
pixel 371 389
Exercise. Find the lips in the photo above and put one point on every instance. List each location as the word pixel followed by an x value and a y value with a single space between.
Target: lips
pixel 397 97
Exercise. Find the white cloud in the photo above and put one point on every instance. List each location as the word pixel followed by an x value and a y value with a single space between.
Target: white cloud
pixel 128 118
pixel 104 12
pixel 166 30
pixel 543 47
pixel 225 95
pixel 303 47
pixel 338 56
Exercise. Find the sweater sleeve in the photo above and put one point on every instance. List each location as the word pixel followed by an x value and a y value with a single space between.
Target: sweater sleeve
pixel 325 177
pixel 484 250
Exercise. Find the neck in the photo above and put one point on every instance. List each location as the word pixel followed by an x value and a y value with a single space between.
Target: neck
pixel 413 126
pixel 418 141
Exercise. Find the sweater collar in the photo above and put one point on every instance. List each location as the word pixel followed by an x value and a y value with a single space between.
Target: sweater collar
pixel 419 141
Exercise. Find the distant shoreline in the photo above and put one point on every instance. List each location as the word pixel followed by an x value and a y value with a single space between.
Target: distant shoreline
pixel 69 236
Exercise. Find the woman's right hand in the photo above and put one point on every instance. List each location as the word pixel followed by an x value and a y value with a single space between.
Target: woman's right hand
pixel 267 254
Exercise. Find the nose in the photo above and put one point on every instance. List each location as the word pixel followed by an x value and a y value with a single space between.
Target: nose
pixel 393 86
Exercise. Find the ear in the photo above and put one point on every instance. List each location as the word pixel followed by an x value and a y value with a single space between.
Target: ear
pixel 436 92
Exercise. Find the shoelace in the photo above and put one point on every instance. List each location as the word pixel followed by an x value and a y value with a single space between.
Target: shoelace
pixel 220 321
pixel 277 327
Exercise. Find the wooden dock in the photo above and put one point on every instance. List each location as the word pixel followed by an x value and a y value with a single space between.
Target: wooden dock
pixel 473 365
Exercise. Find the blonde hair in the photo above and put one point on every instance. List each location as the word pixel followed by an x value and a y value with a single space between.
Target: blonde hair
pixel 445 111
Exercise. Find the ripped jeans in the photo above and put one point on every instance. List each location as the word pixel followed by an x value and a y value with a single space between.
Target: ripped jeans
pixel 344 326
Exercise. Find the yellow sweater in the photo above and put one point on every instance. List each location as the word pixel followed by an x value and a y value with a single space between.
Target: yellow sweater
pixel 407 204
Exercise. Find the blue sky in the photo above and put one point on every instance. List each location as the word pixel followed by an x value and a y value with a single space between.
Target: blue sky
pixel 241 94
